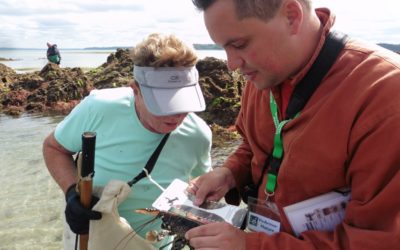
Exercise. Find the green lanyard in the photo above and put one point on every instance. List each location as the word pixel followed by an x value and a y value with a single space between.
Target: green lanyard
pixel 277 152
pixel 333 45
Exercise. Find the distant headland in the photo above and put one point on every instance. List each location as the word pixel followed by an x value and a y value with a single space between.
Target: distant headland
pixel 392 47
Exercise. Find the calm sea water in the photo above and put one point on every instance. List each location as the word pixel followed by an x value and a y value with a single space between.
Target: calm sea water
pixel 30 207
pixel 25 60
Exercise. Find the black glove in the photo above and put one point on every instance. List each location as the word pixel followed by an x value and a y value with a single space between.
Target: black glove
pixel 76 215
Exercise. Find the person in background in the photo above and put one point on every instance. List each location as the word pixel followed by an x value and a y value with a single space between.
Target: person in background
pixel 130 122
pixel 53 54
pixel 346 135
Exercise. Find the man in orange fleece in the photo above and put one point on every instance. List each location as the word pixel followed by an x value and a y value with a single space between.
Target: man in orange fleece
pixel 346 135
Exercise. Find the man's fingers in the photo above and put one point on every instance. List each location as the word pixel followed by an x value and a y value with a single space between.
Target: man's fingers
pixel 201 194
pixel 206 242
pixel 192 188
pixel 207 236
pixel 210 229
pixel 200 190
pixel 202 236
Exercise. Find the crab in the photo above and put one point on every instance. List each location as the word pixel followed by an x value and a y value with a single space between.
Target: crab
pixel 176 222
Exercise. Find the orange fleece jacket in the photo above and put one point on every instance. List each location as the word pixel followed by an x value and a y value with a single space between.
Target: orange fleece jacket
pixel 348 134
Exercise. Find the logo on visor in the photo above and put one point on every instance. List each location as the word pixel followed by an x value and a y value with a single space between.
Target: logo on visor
pixel 174 78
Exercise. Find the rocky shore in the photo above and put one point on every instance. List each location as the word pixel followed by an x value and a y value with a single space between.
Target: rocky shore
pixel 56 90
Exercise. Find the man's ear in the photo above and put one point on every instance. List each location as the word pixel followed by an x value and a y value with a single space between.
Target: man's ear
pixel 293 11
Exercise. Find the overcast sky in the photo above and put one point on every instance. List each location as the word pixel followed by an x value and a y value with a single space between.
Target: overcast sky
pixel 100 23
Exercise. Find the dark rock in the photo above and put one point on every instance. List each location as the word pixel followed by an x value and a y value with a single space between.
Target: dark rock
pixel 222 90
pixel 7 75
pixel 116 72
pixel 5 59
pixel 58 90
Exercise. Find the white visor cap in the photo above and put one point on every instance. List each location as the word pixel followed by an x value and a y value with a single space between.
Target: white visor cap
pixel 170 90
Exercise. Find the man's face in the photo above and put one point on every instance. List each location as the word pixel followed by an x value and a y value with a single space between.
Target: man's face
pixel 259 49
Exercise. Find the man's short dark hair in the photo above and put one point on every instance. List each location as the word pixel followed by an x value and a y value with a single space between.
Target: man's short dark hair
pixel 262 9
pixel 202 4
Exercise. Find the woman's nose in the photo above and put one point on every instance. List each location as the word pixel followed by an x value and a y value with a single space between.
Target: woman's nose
pixel 179 116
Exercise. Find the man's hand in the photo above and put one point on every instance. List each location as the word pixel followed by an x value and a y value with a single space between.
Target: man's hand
pixel 219 235
pixel 76 215
pixel 211 186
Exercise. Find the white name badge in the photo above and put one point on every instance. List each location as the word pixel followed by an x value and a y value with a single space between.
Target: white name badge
pixel 263 216
pixel 259 223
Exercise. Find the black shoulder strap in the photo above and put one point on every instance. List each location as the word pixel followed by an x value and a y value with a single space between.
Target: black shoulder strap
pixel 151 162
pixel 334 43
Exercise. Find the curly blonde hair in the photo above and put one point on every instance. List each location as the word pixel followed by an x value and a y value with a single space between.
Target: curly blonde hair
pixel 159 50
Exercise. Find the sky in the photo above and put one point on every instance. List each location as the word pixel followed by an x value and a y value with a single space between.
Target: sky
pixel 104 23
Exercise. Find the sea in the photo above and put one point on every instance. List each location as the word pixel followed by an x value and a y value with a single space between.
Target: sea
pixel 28 60
pixel 31 203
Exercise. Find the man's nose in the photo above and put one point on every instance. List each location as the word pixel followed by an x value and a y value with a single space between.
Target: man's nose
pixel 234 61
